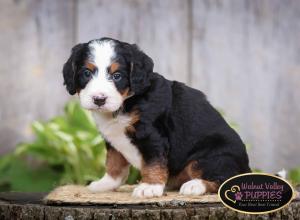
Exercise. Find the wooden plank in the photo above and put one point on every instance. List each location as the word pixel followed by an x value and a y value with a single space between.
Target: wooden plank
pixel 36 37
pixel 246 58
pixel 160 28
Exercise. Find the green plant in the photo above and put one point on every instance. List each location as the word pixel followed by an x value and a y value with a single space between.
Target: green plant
pixel 294 176
pixel 67 149
pixel 16 174
pixel 70 142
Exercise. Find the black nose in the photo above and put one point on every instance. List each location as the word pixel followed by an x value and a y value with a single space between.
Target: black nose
pixel 99 100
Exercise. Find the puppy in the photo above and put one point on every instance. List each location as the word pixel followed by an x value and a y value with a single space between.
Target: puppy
pixel 167 130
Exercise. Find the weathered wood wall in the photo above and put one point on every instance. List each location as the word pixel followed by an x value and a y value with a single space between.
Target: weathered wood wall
pixel 245 55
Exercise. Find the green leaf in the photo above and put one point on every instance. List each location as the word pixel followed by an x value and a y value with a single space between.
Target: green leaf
pixel 68 146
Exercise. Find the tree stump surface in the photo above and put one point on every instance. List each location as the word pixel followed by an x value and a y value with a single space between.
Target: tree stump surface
pixel 18 205
pixel 80 195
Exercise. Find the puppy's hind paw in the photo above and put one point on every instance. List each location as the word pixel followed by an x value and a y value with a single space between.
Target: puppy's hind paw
pixel 193 187
pixel 145 190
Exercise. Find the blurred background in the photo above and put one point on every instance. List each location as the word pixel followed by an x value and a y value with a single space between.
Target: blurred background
pixel 245 55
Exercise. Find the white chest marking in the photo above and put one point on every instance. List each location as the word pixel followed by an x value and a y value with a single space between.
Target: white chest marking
pixel 113 130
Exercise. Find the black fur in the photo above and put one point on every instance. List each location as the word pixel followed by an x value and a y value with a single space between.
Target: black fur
pixel 71 69
pixel 177 124
pixel 138 66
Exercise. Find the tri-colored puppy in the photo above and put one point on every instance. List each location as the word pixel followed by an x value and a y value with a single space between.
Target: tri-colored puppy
pixel 167 130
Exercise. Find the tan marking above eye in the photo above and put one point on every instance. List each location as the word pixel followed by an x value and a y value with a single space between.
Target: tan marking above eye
pixel 90 66
pixel 114 67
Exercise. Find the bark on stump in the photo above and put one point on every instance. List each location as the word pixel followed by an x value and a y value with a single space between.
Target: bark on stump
pixel 30 206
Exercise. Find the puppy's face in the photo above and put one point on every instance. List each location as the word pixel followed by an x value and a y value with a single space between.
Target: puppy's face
pixel 105 72
pixel 102 77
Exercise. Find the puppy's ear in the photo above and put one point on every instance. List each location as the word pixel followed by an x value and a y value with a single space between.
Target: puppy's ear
pixel 141 68
pixel 69 70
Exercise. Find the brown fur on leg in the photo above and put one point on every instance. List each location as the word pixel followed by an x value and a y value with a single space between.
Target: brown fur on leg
pixel 191 171
pixel 211 187
pixel 116 164
pixel 154 173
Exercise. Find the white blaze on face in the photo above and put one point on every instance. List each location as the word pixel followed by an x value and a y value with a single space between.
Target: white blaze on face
pixel 102 55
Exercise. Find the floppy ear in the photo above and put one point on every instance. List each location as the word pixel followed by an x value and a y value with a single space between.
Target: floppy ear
pixel 141 68
pixel 69 70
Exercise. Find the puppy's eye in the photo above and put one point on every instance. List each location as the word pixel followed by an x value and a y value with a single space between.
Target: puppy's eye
pixel 87 73
pixel 117 76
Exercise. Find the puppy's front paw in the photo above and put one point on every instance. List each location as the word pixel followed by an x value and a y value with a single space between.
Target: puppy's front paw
pixel 193 187
pixel 146 190
pixel 106 183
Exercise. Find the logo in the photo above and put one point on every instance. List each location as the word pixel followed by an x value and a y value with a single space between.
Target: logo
pixel 256 193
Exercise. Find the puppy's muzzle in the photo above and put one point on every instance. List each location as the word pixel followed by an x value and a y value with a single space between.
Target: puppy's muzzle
pixel 99 100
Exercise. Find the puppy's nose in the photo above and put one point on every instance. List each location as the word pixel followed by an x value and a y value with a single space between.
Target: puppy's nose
pixel 99 100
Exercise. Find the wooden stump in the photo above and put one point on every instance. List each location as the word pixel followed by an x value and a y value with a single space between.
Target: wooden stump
pixel 30 206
